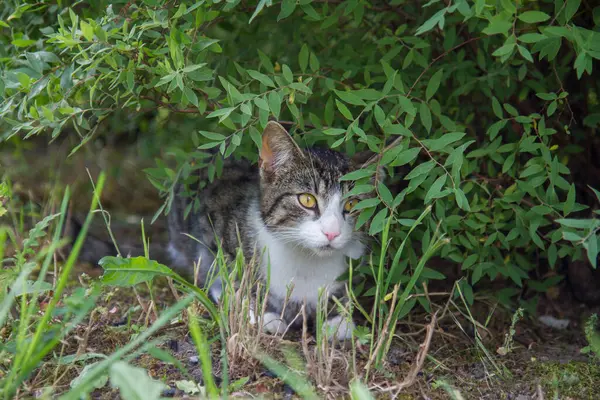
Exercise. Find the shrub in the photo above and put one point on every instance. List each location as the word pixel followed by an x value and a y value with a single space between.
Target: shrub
pixel 483 102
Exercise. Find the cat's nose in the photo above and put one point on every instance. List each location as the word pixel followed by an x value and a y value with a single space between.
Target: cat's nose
pixel 331 235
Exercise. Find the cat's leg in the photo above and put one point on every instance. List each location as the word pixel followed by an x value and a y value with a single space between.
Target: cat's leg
pixel 271 322
pixel 339 325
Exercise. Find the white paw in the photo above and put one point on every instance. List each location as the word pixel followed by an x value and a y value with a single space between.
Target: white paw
pixel 215 291
pixel 339 327
pixel 271 322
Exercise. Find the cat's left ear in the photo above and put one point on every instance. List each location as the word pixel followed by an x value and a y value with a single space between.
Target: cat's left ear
pixel 362 157
pixel 278 147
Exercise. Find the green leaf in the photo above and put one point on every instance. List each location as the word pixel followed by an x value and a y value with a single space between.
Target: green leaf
pixel 531 170
pixel 552 108
pixel 274 103
pixel 498 24
pixel 445 140
pixel 531 38
pixel 259 7
pixel 461 199
pixel 287 73
pixel 129 272
pixel 212 136
pixel 22 42
pixel 532 17
pixel 508 163
pixel 191 96
pixel 87 30
pixel 433 84
pixel 358 174
pixel 367 203
pixel 525 53
pixel 552 255
pixel 192 68
pixel 497 108
pixel 406 156
pixel 350 98
pixel 364 216
pixel 134 383
pixel 385 194
pixel 436 188
pixel 425 115
pixel 437 19
pixel 495 128
pixel 397 129
pixel 596 192
pixel 570 202
pixel 261 103
pixel 222 113
pixel 378 221
pixel 303 57
pixel 420 169
pixel 287 8
pixel 591 245
pixel 360 189
pixel 262 78
pixel 344 110
pixel 504 50
pixel 579 223
pixel 407 105
pixel 571 8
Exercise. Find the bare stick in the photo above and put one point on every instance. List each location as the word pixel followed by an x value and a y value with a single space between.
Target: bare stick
pixel 410 379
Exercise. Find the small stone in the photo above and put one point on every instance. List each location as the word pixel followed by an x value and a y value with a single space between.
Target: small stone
pixel 170 392
pixel 173 345
pixel 194 360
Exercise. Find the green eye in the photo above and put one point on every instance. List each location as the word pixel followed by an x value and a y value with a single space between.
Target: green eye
pixel 349 205
pixel 307 200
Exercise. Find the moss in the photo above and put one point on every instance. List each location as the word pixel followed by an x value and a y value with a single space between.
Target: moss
pixel 575 379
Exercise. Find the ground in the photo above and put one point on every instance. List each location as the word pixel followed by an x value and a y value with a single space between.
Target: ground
pixel 540 361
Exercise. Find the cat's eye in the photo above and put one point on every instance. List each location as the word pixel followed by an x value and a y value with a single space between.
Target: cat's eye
pixel 349 205
pixel 307 200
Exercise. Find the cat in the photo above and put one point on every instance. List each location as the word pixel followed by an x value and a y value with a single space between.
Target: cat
pixel 291 210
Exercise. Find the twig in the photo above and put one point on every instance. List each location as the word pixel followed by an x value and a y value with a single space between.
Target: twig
pixel 410 379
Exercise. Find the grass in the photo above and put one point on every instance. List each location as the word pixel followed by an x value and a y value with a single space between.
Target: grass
pixel 58 339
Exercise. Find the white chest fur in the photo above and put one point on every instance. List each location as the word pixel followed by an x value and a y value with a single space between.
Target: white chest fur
pixel 297 271
pixel 294 270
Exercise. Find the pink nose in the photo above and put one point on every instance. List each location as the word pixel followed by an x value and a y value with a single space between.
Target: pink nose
pixel 331 235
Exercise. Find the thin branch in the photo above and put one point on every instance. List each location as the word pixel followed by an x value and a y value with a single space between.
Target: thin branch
pixel 410 379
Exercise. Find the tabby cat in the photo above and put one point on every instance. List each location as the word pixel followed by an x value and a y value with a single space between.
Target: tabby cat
pixel 291 210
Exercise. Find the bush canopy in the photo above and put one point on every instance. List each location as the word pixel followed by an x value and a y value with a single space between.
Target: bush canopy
pixel 477 110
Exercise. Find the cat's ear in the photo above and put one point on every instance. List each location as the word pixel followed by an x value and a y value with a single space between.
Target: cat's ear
pixel 278 147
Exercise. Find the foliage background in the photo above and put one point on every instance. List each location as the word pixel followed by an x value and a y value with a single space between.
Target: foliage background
pixel 486 110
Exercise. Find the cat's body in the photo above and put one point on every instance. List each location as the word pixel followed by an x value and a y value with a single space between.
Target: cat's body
pixel 290 212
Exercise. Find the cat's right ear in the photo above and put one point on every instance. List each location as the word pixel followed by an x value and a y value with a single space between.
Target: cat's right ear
pixel 278 147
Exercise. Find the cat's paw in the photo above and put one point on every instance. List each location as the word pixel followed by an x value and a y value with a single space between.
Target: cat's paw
pixel 271 322
pixel 339 327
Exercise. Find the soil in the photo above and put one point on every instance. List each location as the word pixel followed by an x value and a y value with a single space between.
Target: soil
pixel 540 362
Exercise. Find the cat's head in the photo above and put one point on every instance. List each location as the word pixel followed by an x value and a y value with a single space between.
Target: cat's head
pixel 302 198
